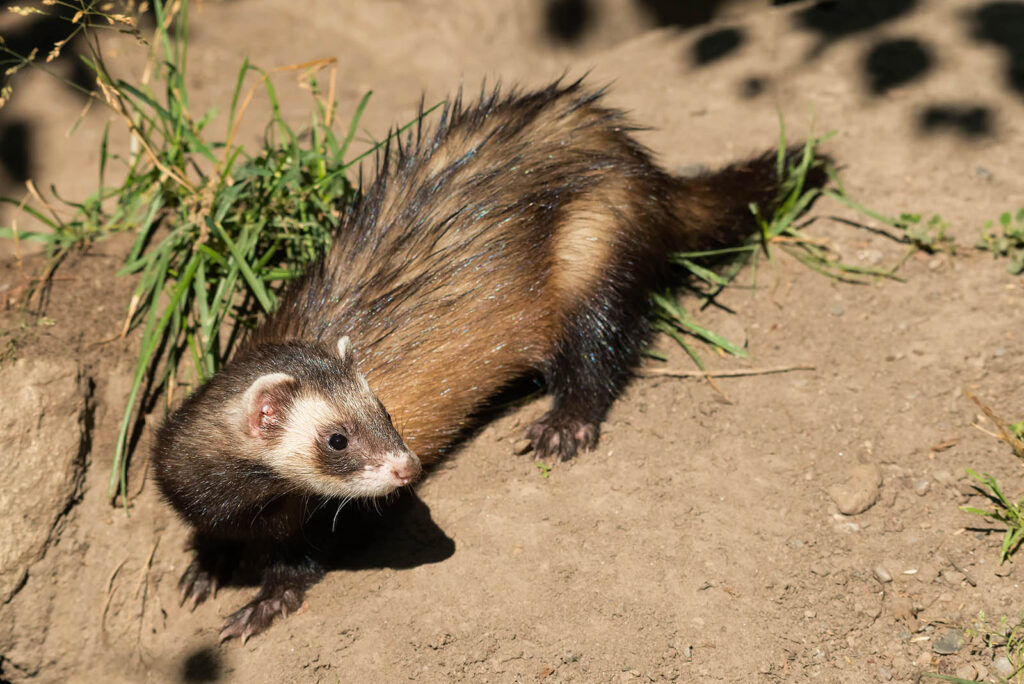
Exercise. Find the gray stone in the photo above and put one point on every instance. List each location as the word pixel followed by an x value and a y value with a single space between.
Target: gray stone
pixel 951 641
pixel 44 431
pixel 1003 666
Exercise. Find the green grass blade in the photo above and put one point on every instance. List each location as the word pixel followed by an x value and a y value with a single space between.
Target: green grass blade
pixel 255 284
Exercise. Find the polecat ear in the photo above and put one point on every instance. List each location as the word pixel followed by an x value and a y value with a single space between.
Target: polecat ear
pixel 345 349
pixel 264 402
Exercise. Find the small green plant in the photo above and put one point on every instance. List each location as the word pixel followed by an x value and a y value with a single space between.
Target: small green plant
pixel 545 470
pixel 1003 510
pixel 927 236
pixel 1006 241
pixel 1007 635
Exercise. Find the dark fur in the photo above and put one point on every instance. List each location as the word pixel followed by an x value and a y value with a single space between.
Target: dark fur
pixel 524 235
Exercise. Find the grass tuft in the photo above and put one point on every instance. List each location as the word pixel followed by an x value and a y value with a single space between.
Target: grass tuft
pixel 1007 635
pixel 1006 241
pixel 1003 510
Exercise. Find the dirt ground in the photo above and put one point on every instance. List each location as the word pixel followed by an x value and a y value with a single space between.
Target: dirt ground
pixel 702 540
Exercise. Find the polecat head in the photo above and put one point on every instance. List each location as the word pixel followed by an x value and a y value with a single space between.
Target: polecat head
pixel 309 415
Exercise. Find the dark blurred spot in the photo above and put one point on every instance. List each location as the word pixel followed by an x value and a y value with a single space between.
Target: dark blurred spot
pixel 20 37
pixel 39 33
pixel 752 87
pixel 566 20
pixel 717 44
pixel 895 62
pixel 837 19
pixel 1002 23
pixel 202 666
pixel 14 150
pixel 963 120
pixel 784 2
pixel 681 13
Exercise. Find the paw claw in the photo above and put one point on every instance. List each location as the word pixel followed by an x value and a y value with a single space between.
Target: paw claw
pixel 259 613
pixel 194 585
pixel 559 438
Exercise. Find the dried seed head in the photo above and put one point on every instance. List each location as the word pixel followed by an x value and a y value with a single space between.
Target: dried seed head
pixel 24 11
pixel 55 52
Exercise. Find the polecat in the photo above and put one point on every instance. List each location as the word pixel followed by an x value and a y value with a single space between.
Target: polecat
pixel 524 235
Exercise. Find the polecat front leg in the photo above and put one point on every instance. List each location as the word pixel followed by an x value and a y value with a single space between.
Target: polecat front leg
pixel 286 577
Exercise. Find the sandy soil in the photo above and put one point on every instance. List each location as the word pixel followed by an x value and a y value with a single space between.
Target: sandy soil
pixel 699 542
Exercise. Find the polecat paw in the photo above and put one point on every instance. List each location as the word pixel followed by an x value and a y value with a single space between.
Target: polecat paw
pixel 259 613
pixel 558 437
pixel 196 585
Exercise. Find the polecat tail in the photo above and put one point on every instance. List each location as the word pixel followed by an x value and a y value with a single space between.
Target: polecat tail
pixel 714 207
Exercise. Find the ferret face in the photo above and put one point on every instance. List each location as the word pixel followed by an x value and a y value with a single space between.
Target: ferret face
pixel 325 431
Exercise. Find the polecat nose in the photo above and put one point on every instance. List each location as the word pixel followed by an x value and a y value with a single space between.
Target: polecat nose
pixel 405 467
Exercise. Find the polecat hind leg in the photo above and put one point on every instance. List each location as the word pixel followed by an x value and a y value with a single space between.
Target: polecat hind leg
pixel 285 581
pixel 590 368
pixel 211 567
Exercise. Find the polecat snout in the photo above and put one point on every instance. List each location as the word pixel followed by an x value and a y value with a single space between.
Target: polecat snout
pixel 522 236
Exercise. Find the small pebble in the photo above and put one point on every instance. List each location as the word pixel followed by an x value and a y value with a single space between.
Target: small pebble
pixel 983 173
pixel 859 492
pixel 943 476
pixel 836 310
pixel 1003 666
pixel 522 446
pixel 810 614
pixel 921 487
pixel 882 574
pixel 951 641
pixel 968 672
pixel 884 674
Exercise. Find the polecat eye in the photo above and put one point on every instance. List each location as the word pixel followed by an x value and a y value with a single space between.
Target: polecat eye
pixel 337 442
